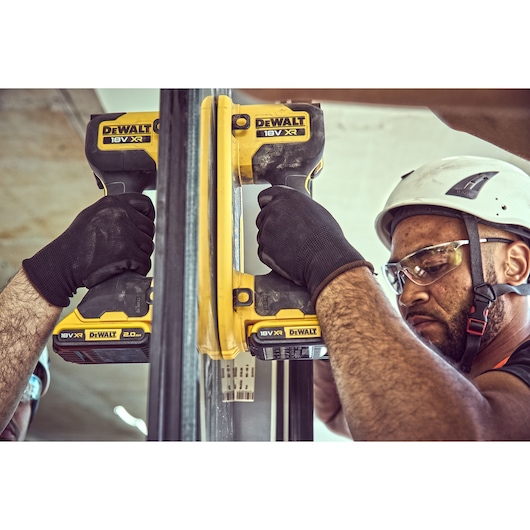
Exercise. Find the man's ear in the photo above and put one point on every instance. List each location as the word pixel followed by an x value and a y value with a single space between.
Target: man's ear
pixel 517 264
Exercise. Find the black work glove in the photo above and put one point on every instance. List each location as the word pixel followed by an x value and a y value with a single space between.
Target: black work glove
pixel 299 239
pixel 113 235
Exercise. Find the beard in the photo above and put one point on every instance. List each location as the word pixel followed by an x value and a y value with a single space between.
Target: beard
pixel 454 342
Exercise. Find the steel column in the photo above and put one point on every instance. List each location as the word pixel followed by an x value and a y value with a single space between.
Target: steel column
pixel 172 407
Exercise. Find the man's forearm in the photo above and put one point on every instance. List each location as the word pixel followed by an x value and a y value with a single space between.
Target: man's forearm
pixel 392 386
pixel 328 407
pixel 26 322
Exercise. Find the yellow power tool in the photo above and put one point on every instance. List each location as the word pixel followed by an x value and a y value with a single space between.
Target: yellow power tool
pixel 112 323
pixel 279 144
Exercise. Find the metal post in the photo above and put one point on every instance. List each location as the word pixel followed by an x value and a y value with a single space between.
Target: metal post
pixel 172 407
pixel 300 401
pixel 174 370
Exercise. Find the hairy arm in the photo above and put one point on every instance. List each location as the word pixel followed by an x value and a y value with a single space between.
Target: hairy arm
pixel 328 408
pixel 393 387
pixel 26 322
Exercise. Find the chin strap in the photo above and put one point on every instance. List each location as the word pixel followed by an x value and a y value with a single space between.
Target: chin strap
pixel 484 295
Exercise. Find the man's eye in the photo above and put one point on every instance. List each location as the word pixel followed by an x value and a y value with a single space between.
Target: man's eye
pixel 434 269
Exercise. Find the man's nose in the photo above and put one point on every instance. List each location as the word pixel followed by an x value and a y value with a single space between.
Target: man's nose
pixel 412 293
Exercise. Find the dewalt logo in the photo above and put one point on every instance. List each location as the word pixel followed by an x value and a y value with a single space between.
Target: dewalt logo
pixel 144 128
pixel 133 133
pixel 279 126
pixel 305 331
pixel 103 334
pixel 283 121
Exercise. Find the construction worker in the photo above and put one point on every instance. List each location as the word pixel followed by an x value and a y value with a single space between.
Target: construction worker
pixel 38 384
pixel 112 235
pixel 454 362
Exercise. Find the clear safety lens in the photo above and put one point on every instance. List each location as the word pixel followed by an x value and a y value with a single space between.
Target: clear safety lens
pixel 429 264
pixel 33 389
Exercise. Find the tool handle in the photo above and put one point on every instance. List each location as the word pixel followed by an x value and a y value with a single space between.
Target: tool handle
pixel 273 293
pixel 128 292
pixel 118 183
pixel 298 182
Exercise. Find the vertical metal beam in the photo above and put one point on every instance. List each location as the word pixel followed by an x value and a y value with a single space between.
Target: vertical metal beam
pixel 172 407
pixel 174 371
pixel 218 414
pixel 301 401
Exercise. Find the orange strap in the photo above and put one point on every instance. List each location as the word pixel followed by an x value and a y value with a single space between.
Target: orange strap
pixel 502 363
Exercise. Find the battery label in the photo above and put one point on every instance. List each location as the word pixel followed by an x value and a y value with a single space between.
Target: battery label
pixel 302 332
pixel 77 335
pixel 71 334
pixel 103 334
pixel 289 332
pixel 271 333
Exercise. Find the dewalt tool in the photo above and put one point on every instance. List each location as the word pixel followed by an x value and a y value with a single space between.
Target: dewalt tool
pixel 112 323
pixel 279 144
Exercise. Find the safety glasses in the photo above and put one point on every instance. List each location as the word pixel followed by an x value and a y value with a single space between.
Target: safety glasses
pixel 33 389
pixel 429 264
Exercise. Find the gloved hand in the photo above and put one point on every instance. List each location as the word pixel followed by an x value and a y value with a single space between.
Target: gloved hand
pixel 299 239
pixel 113 235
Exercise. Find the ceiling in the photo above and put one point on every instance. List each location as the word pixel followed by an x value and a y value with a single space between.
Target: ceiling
pixel 45 181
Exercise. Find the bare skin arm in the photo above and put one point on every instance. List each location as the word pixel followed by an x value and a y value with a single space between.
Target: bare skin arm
pixel 328 408
pixel 26 322
pixel 392 387
pixel 111 235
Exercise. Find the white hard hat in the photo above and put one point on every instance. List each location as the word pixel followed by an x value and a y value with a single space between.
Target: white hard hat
pixel 494 191
pixel 476 190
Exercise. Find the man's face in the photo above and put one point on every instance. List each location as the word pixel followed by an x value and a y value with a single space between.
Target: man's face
pixel 438 312
pixel 17 428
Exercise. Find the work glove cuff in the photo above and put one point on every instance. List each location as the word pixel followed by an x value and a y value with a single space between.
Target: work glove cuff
pixel 325 256
pixel 41 270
